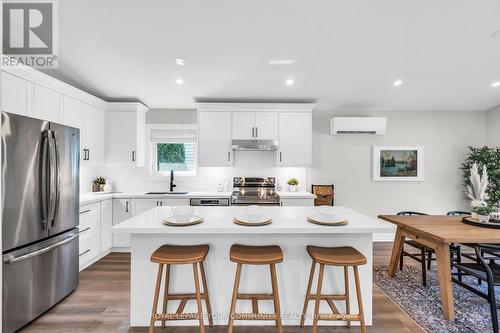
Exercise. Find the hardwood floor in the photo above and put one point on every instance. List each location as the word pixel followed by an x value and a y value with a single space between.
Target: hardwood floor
pixel 101 304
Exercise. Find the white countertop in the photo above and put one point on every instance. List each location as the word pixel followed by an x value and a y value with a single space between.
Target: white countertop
pixel 219 220
pixel 86 198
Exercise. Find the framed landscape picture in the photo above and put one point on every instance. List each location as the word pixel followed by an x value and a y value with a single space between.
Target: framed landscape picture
pixel 398 163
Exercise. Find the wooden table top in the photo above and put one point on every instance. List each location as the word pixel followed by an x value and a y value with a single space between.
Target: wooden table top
pixel 442 228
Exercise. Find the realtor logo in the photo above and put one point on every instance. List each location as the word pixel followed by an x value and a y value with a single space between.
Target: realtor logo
pixel 29 33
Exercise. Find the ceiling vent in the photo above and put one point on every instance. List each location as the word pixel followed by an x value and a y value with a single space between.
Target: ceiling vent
pixel 358 125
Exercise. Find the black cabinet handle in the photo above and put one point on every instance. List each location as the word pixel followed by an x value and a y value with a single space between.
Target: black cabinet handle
pixel 81 254
pixel 133 155
pixel 88 154
pixel 281 157
pixel 88 228
pixel 85 211
pixel 126 207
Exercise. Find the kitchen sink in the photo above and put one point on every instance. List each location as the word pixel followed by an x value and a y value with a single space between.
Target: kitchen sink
pixel 167 193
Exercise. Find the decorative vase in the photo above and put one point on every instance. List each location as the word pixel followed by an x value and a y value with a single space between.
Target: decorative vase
pixel 108 187
pixel 483 218
pixel 292 188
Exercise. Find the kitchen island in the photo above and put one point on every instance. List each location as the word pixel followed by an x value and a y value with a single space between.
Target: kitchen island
pixel 289 229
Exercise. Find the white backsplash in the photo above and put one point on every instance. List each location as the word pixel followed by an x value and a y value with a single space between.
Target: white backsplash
pixel 256 164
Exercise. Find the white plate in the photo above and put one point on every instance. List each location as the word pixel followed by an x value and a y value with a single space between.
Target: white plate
pixel 252 219
pixel 324 219
pixel 171 220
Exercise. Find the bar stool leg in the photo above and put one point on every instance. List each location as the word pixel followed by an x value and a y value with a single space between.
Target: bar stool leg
pixel 308 294
pixel 165 293
pixel 198 297
pixel 155 300
pixel 205 291
pixel 276 299
pixel 234 299
pixel 318 298
pixel 360 301
pixel 347 295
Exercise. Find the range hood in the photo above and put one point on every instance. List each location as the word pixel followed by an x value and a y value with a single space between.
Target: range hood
pixel 255 145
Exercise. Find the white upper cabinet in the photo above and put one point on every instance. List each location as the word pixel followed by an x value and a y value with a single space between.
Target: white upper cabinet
pixel 266 125
pixel 255 126
pixel 93 135
pixel 73 111
pixel 214 139
pixel 47 104
pixel 90 120
pixel 17 94
pixel 243 125
pixel 126 134
pixel 295 139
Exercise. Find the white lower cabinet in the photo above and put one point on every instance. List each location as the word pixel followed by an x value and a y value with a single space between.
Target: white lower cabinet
pixel 106 224
pixel 95 232
pixel 122 210
pixel 297 202
pixel 89 239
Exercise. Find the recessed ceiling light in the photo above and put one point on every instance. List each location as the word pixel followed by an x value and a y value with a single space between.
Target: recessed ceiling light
pixel 397 83
pixel 495 34
pixel 289 82
pixel 179 81
pixel 180 62
pixel 281 62
pixel 495 84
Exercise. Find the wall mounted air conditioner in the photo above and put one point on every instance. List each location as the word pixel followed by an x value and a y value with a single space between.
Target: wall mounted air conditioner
pixel 358 125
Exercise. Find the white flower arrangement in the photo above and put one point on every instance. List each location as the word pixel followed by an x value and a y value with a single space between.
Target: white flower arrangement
pixel 476 191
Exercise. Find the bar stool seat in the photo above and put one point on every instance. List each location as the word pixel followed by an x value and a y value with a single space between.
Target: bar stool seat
pixel 169 255
pixel 256 255
pixel 336 256
pixel 180 254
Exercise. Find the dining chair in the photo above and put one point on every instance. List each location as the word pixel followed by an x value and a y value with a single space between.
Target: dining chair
pixel 485 269
pixel 455 250
pixel 425 255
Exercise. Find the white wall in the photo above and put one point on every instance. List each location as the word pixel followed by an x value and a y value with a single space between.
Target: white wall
pixel 346 161
pixel 493 127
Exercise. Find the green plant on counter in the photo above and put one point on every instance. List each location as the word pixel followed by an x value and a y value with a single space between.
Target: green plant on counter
pixel 482 210
pixel 488 157
pixel 293 181
pixel 100 181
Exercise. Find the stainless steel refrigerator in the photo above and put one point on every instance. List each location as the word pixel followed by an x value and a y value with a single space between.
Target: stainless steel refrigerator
pixel 40 202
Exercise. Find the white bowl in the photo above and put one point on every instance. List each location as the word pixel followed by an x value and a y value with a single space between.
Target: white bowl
pixel 183 213
pixel 327 212
pixel 253 211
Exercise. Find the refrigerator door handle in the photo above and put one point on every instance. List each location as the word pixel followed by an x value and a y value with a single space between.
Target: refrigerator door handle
pixel 57 179
pixel 44 178
pixel 52 178
pixel 12 260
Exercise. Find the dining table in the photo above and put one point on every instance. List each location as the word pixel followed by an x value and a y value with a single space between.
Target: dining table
pixel 437 232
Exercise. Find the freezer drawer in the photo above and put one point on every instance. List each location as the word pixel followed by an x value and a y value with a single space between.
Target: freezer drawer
pixel 37 277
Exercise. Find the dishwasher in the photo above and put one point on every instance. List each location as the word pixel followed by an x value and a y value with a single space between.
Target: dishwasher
pixel 209 202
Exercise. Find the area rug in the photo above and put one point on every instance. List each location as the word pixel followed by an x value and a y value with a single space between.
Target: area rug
pixel 423 305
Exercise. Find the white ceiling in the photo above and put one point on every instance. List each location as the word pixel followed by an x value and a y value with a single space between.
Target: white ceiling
pixel 347 53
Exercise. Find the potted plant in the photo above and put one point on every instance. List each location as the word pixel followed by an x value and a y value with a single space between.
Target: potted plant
pixel 98 184
pixel 483 213
pixel 292 184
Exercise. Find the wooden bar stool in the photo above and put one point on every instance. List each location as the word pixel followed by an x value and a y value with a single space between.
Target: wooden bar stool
pixel 334 256
pixel 180 255
pixel 256 255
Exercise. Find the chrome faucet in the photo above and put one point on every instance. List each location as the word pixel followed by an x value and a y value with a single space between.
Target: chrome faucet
pixel 172 185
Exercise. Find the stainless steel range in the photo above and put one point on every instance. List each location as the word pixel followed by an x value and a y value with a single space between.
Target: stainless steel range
pixel 254 191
